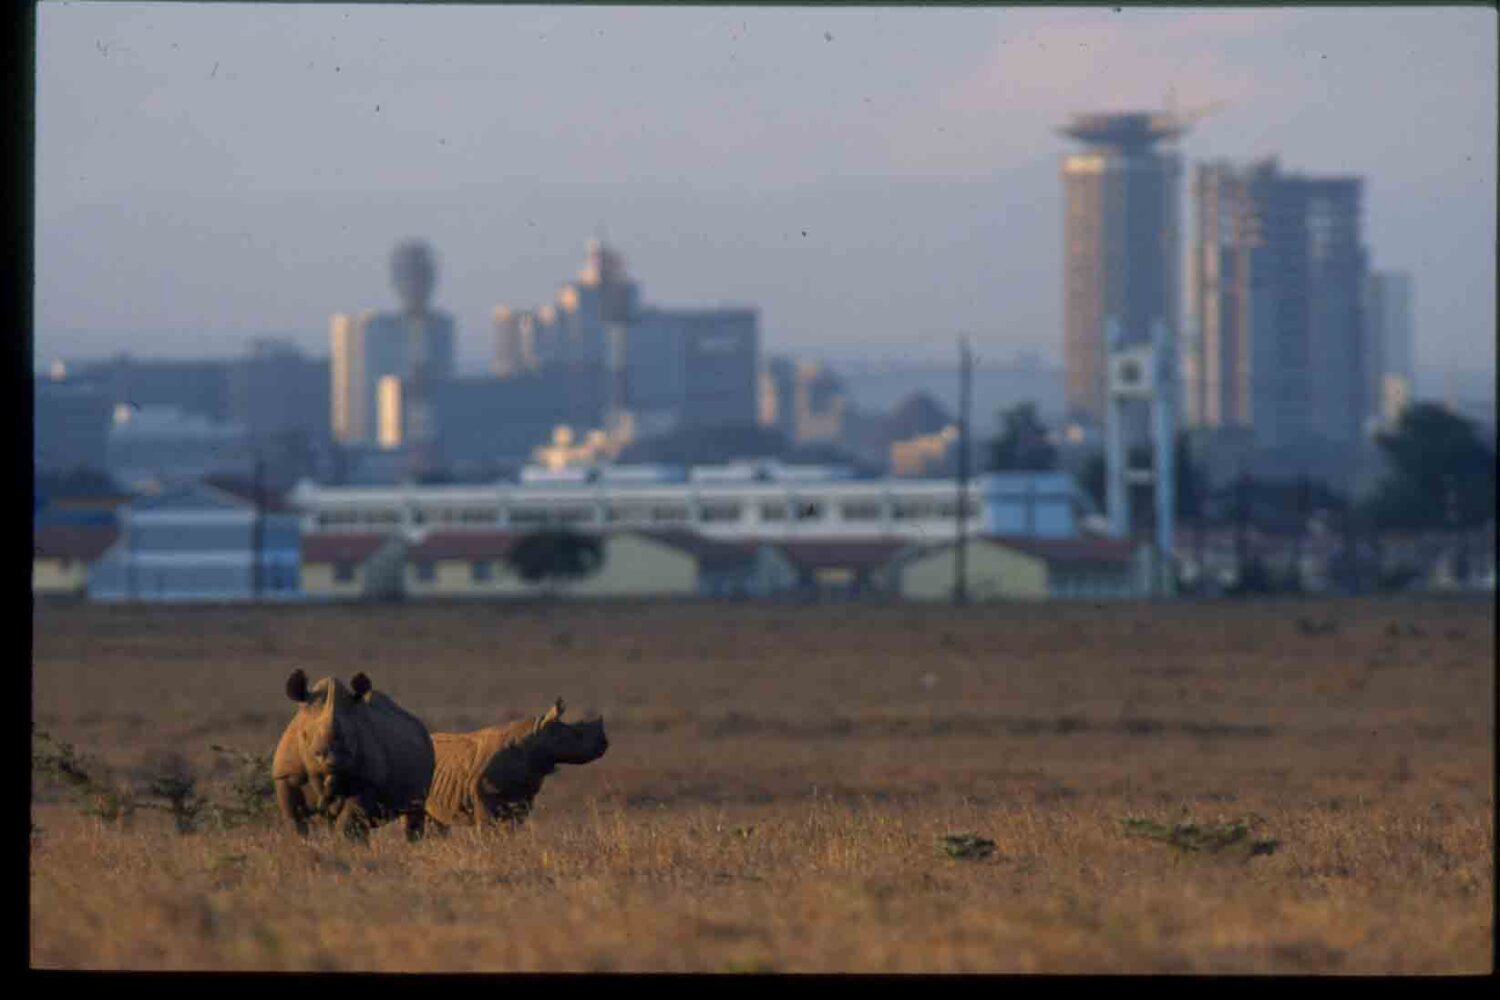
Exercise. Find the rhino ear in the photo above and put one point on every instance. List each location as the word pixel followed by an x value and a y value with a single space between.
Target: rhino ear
pixel 360 684
pixel 554 713
pixel 296 685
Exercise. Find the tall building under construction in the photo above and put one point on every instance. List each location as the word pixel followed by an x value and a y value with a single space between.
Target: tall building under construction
pixel 1120 242
pixel 1278 279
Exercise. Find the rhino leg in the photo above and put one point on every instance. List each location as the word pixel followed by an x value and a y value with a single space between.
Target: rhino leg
pixel 516 812
pixel 353 821
pixel 510 813
pixel 292 805
pixel 483 799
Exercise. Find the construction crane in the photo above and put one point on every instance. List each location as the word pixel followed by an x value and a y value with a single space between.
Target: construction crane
pixel 1180 120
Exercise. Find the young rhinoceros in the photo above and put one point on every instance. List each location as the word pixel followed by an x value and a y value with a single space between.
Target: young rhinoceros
pixel 494 773
pixel 352 755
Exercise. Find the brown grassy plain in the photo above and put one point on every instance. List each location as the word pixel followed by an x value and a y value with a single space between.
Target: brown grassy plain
pixel 778 778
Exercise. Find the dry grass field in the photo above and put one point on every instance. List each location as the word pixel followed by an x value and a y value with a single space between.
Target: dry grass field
pixel 778 780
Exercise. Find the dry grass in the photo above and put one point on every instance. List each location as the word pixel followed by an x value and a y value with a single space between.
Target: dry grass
pixel 779 778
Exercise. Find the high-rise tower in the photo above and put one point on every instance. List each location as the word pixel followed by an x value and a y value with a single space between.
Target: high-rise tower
pixel 1277 289
pixel 1121 243
pixel 413 345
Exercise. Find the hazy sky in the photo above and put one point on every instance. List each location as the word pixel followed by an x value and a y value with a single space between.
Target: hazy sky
pixel 874 180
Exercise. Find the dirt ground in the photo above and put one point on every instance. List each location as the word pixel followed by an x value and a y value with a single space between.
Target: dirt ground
pixel 778 781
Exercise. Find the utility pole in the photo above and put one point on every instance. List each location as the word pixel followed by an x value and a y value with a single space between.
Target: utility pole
pixel 1303 505
pixel 1199 485
pixel 1351 544
pixel 128 520
pixel 257 532
pixel 1241 524
pixel 960 575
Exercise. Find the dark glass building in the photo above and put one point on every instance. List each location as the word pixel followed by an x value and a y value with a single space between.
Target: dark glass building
pixel 1278 279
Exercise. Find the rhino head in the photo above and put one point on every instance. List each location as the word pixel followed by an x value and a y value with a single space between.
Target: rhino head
pixel 560 742
pixel 326 730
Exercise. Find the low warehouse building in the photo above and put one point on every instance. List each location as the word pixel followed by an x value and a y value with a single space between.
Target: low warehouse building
pixel 347 565
pixel 732 569
pixel 461 564
pixel 1006 568
pixel 471 564
pixel 61 555
pixel 836 567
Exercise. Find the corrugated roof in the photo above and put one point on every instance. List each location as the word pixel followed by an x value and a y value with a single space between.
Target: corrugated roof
pixel 72 541
pixel 1072 550
pixel 341 546
pixel 1054 551
pixel 463 545
pixel 709 552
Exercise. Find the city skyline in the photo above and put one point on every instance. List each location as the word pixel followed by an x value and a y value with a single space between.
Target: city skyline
pixel 916 197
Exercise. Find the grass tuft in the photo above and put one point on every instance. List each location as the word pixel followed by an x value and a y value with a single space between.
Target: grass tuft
pixel 966 846
pixel 1203 838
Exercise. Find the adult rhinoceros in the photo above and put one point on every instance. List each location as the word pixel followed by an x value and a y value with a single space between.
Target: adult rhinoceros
pixel 352 755
pixel 494 773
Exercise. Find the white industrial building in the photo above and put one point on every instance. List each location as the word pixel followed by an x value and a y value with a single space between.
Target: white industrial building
pixel 764 501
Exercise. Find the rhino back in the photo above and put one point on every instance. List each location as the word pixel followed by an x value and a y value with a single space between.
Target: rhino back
pixel 459 757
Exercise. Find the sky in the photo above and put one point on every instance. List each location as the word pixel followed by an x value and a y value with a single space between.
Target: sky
pixel 875 180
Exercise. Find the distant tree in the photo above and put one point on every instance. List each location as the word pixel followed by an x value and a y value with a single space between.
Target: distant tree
pixel 555 555
pixel 1022 445
pixel 1254 579
pixel 1442 473
pixel 1189 482
pixel 1394 581
pixel 916 414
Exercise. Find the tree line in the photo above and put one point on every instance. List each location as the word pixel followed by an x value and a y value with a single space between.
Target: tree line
pixel 1438 478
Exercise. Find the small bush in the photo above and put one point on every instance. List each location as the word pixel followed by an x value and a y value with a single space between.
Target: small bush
pixel 1204 838
pixel 170 779
pixel 252 791
pixel 966 846
pixel 59 763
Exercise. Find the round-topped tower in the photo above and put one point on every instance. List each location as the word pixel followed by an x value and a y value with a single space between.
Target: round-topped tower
pixel 414 275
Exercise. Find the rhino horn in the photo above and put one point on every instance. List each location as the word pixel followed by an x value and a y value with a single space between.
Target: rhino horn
pixel 296 685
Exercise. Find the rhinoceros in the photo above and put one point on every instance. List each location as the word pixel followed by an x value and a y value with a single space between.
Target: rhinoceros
pixel 352 755
pixel 493 774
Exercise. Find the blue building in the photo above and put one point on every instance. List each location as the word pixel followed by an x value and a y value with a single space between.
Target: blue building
pixel 200 541
pixel 1032 504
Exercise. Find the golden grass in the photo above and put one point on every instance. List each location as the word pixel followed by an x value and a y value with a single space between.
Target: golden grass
pixel 778 779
